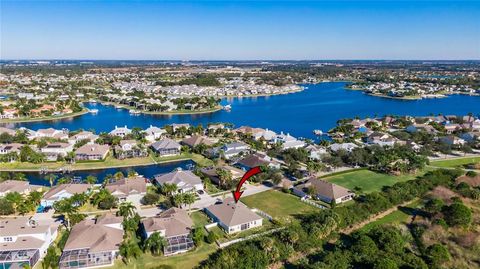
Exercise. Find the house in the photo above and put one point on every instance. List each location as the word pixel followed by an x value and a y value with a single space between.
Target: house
pixel 57 149
pixel 315 152
pixel 324 190
pixel 234 149
pixel 10 148
pixel 266 134
pixel 342 146
pixel 175 225
pixel 51 133
pixel 257 159
pixel 63 191
pixel 9 113
pixel 92 152
pixel 8 131
pixel 153 133
pixel 185 180
pixel 233 217
pixel 93 243
pixel 381 139
pixel 120 131
pixel 24 241
pixel 212 173
pixel 22 187
pixel 130 149
pixel 452 140
pixel 82 136
pixel 469 137
pixel 166 147
pixel 176 126
pixel 130 189
pixel 196 140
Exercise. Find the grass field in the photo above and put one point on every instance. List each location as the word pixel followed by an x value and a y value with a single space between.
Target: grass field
pixel 278 204
pixel 199 218
pixel 367 180
pixel 181 261
pixel 397 217
pixel 459 162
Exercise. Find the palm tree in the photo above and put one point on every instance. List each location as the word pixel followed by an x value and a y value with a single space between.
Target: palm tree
pixel 129 249
pixel 178 199
pixel 155 243
pixel 169 189
pixel 91 179
pixel 15 198
pixel 51 179
pixel 126 210
pixel 189 199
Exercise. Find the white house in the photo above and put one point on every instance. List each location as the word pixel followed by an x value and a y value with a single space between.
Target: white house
pixel 24 241
pixel 120 131
pixel 63 191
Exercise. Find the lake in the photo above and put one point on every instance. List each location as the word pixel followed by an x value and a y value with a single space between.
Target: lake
pixel 318 107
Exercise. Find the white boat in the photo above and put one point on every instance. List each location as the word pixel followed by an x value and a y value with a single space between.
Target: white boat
pixel 93 101
pixel 318 132
pixel 94 111
pixel 227 107
pixel 134 112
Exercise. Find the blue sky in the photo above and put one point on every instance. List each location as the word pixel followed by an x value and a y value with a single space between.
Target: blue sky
pixel 242 30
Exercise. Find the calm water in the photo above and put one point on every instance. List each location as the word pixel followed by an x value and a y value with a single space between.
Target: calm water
pixel 318 107
pixel 148 171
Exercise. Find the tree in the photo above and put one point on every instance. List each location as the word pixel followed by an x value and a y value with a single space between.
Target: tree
pixel 91 179
pixel 6 207
pixel 457 214
pixel 169 189
pixel 51 259
pixel 15 198
pixel 189 199
pixel 104 199
pixel 198 235
pixel 51 179
pixel 155 243
pixel 437 254
pixel 126 210
pixel 129 249
pixel 211 237
pixel 385 263
pixel 150 198
pixel 178 199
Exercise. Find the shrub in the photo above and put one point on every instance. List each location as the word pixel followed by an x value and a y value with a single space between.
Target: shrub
pixel 457 214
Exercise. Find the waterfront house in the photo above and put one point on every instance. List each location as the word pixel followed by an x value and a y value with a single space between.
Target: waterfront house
pixel 196 140
pixel 233 217
pixel 381 139
pixel 130 189
pixel 8 131
pixel 59 192
pixel 234 149
pixel 51 133
pixel 257 159
pixel 166 147
pixel 176 126
pixel 120 131
pixel 57 149
pixel 153 133
pixel 185 180
pixel 10 148
pixel 9 113
pixel 175 225
pixel 93 243
pixel 24 241
pixel 92 152
pixel 266 134
pixel 130 149
pixel 212 173
pixel 324 191
pixel 342 146
pixel 82 136
pixel 469 137
pixel 22 187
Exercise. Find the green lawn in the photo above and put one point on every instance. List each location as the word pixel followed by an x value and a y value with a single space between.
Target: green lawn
pixel 396 217
pixel 181 261
pixel 367 180
pixel 455 162
pixel 199 218
pixel 278 204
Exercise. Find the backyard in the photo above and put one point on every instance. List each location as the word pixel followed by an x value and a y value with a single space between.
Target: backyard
pixel 458 162
pixel 278 204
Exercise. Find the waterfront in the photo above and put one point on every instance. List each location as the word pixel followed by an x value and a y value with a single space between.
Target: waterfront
pixel 318 107
pixel 148 171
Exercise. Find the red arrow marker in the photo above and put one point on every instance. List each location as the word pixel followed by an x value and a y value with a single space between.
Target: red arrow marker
pixel 250 173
